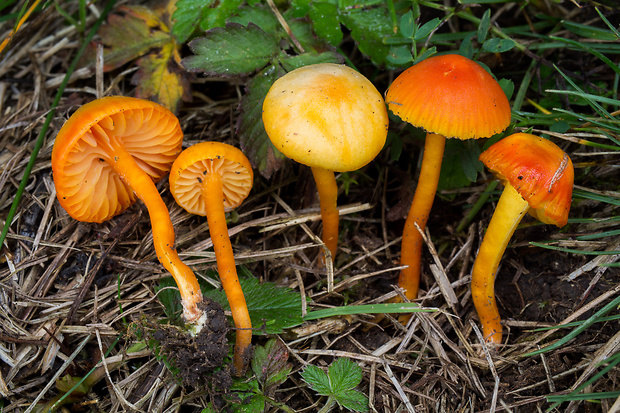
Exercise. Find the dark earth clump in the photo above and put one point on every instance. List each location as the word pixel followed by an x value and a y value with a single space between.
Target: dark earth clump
pixel 199 360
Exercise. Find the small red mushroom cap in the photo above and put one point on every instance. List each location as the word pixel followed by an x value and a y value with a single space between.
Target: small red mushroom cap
pixel 539 170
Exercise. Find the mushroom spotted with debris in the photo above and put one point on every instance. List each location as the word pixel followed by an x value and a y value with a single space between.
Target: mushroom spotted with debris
pixel 109 153
pixel 538 178
pixel 330 118
pixel 208 179
pixel 448 96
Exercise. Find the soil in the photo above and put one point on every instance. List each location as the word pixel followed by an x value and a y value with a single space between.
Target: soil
pixel 198 360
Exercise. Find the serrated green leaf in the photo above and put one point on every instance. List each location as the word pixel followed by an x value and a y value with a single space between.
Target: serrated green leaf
pixel 317 379
pixel 259 15
pixel 344 374
pixel 272 308
pixel 294 62
pixel 234 50
pixel 369 28
pixel 483 27
pixel 217 15
pixel 325 22
pixel 254 140
pixel 353 400
pixel 270 363
pixel 186 17
pixel 423 31
pixel 496 45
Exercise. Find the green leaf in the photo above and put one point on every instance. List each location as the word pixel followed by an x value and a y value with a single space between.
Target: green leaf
pixel 254 140
pixel 294 62
pixel 496 45
pixel 427 53
pixel 507 86
pixel 231 51
pixel 483 27
pixel 400 55
pixel 325 22
pixel 369 28
pixel 426 29
pixel 270 363
pixel 339 383
pixel 272 308
pixel 302 30
pixel 467 48
pixel 344 375
pixel 407 24
pixel 460 164
pixel 317 379
pixel 186 17
pixel 216 16
pixel 259 15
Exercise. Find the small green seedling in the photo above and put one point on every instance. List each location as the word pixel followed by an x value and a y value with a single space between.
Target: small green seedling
pixel 338 384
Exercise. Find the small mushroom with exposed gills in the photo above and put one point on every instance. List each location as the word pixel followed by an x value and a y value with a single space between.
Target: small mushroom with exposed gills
pixel 111 152
pixel 209 179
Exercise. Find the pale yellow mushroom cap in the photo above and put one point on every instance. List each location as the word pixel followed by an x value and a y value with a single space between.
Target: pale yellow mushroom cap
pixel 327 116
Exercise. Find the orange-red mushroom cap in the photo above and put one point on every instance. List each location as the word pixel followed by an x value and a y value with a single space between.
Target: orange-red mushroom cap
pixel 539 170
pixel 327 116
pixel 450 95
pixel 195 162
pixel 87 186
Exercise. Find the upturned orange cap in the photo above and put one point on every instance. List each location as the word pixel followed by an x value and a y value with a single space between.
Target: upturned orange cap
pixel 539 170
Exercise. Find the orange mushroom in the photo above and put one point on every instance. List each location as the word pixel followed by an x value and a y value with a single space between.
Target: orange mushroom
pixel 330 118
pixel 209 179
pixel 448 96
pixel 110 152
pixel 537 178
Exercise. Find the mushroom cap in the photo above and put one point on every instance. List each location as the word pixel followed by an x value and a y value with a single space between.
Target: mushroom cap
pixel 539 170
pixel 190 168
pixel 450 95
pixel 87 186
pixel 327 116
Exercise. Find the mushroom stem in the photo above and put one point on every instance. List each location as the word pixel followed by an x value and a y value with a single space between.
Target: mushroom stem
pixel 411 248
pixel 163 232
pixel 212 191
pixel 328 196
pixel 508 213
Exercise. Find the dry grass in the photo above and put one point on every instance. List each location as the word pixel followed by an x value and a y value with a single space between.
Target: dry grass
pixel 63 283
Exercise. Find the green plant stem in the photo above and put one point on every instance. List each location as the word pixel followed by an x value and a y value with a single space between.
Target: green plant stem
pixel 39 143
pixel 329 405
